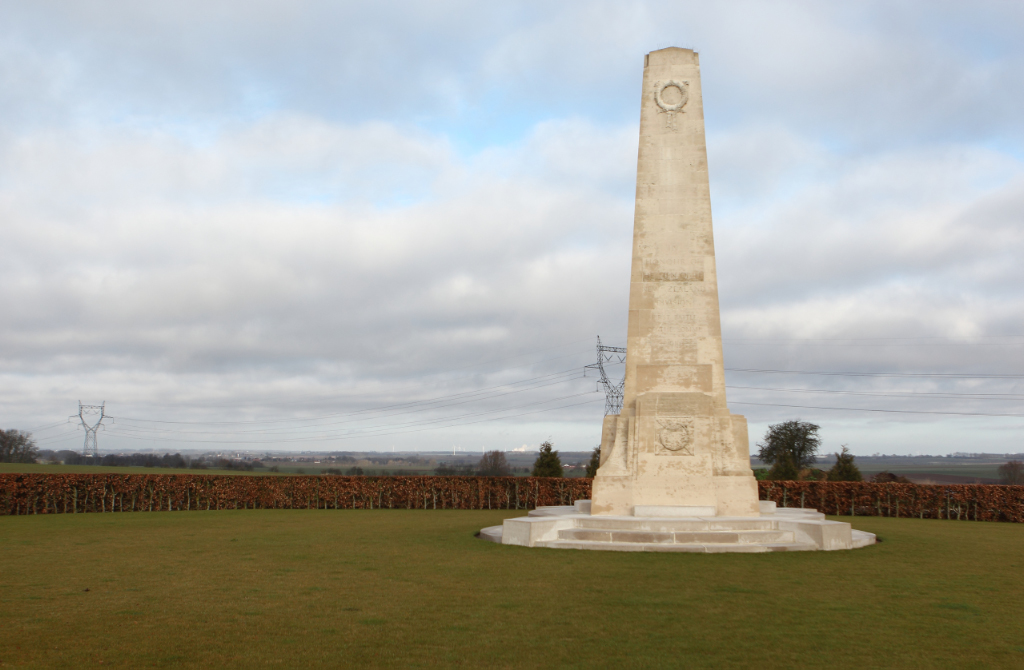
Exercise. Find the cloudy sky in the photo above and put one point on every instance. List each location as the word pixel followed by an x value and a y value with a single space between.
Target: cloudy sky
pixel 400 225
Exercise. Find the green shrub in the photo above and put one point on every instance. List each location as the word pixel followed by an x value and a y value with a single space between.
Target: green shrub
pixel 595 462
pixel 548 464
pixel 844 470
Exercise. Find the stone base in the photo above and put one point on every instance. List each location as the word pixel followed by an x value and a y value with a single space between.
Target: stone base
pixel 782 529
pixel 673 511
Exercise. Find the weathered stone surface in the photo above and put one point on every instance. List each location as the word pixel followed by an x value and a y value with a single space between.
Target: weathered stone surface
pixel 784 530
pixel 675 443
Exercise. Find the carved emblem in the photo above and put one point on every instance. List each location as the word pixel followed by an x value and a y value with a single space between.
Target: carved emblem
pixel 671 96
pixel 675 436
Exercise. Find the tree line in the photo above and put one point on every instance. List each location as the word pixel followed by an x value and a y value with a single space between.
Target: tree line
pixel 495 464
pixel 17 446
pixel 790 449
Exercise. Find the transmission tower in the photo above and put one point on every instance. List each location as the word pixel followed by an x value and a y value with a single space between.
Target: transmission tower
pixel 91 448
pixel 612 391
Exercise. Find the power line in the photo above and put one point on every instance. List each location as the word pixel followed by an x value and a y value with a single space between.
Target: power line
pixel 893 394
pixel 291 430
pixel 49 439
pixel 527 353
pixel 917 338
pixel 361 411
pixel 417 406
pixel 49 426
pixel 868 342
pixel 886 411
pixel 290 399
pixel 429 404
pixel 349 437
pixel 489 393
pixel 940 375
pixel 369 430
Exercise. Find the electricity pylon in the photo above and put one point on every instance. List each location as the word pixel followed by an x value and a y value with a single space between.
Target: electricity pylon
pixel 91 448
pixel 612 391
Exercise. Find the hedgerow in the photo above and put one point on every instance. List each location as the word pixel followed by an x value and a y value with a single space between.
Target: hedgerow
pixel 970 502
pixel 78 493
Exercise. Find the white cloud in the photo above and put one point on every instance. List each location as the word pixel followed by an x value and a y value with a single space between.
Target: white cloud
pixel 195 275
pixel 300 207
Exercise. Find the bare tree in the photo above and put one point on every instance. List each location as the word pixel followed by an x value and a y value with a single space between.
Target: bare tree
pixel 17 446
pixel 493 464
pixel 1012 473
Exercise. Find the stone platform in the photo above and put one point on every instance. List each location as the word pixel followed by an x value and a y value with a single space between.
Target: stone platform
pixel 776 529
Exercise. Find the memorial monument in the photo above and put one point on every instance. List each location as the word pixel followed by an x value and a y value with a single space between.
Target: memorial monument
pixel 675 464
pixel 675 444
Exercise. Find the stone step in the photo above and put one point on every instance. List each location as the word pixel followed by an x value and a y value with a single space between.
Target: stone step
pixel 674 525
pixel 491 534
pixel 798 513
pixel 678 537
pixel 682 548
pixel 862 538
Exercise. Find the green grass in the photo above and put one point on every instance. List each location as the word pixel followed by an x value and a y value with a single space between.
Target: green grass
pixel 414 588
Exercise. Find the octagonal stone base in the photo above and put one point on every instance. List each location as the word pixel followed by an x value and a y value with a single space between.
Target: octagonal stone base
pixel 671 529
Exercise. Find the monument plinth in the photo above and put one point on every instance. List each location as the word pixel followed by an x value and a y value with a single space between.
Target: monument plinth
pixel 675 443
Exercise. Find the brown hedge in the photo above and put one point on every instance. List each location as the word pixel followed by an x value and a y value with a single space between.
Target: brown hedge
pixel 49 494
pixel 970 502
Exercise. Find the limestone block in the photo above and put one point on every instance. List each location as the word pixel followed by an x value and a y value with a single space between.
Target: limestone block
pixel 552 510
pixel 826 535
pixel 612 495
pixel 528 531
pixel 674 511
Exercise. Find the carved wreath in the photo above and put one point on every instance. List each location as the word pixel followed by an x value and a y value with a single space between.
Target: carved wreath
pixel 675 435
pixel 684 90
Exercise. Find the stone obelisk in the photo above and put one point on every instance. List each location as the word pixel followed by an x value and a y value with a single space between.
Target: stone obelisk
pixel 674 450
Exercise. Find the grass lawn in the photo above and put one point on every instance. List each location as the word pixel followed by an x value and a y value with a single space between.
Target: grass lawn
pixel 288 588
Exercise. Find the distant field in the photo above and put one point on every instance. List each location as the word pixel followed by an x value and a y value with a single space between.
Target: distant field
pixel 414 588
pixel 939 470
pixel 936 469
pixel 377 470
pixel 283 469
pixel 100 469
